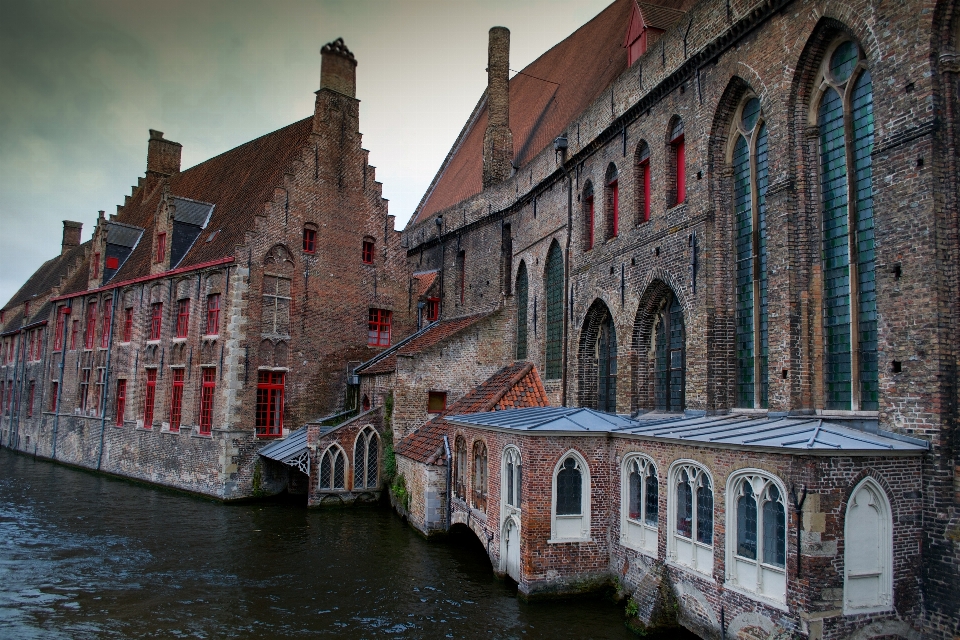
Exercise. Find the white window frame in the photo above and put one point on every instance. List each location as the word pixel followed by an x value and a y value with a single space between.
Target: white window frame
pixel 585 514
pixel 699 552
pixel 646 539
pixel 507 509
pixel 765 582
pixel 367 431
pixel 332 449
pixel 881 502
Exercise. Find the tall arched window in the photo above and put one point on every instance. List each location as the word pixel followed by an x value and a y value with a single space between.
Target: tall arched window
pixel 480 475
pixel 757 534
pixel 670 345
pixel 366 460
pixel 554 294
pixel 510 479
pixel 845 122
pixel 749 192
pixel 690 542
pixel 868 550
pixel 639 502
pixel 677 170
pixel 460 468
pixel 333 466
pixel 571 499
pixel 611 201
pixel 589 217
pixel 523 291
pixel 642 162
pixel 607 366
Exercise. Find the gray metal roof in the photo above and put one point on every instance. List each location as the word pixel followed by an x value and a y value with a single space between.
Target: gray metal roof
pixel 292 450
pixel 796 434
pixel 123 235
pixel 191 211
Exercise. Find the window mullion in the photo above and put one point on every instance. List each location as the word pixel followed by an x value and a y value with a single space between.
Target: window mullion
pixel 854 267
pixel 755 249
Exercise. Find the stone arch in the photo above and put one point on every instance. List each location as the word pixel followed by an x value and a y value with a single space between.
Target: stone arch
pixel 655 298
pixel 184 288
pixel 278 258
pixel 748 623
pixel 598 327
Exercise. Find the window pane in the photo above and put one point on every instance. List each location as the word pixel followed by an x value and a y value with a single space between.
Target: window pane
pixel 510 483
pixel 338 470
pixel 359 462
pixel 569 487
pixel 635 496
pixel 652 499
pixel 372 460
pixel 554 293
pixel 684 507
pixel 774 531
pixel 326 472
pixel 743 198
pixel 705 512
pixel 747 523
pixel 522 302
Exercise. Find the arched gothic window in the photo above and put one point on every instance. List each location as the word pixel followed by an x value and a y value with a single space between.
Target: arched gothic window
pixel 480 475
pixel 333 466
pixel 611 202
pixel 642 162
pixel 554 294
pixel 845 122
pixel 523 291
pixel 868 550
pixel 677 170
pixel 640 496
pixel 571 499
pixel 607 366
pixel 749 192
pixel 589 217
pixel 690 542
pixel 460 468
pixel 366 460
pixel 510 479
pixel 670 345
pixel 757 534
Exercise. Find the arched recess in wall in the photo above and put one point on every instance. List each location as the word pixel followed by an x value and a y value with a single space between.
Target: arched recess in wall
pixel 597 352
pixel 522 298
pixel 553 280
pixel 868 550
pixel 659 351
pixel 277 292
pixel 589 214
pixel 642 184
pixel 611 202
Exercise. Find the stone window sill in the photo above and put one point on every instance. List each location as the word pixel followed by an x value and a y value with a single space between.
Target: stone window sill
pixel 688 569
pixel 836 413
pixel 770 602
pixel 182 340
pixel 153 343
pixel 568 540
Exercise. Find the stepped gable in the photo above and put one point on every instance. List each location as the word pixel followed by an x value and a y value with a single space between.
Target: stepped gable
pixel 238 183
pixel 47 276
pixel 576 70
pixel 516 386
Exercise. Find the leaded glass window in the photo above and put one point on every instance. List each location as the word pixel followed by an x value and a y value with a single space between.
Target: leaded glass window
pixel 757 534
pixel 523 290
pixel 607 366
pixel 511 477
pixel 670 356
pixel 366 460
pixel 332 469
pixel 554 293
pixel 480 475
pixel 569 488
pixel 644 493
pixel 694 500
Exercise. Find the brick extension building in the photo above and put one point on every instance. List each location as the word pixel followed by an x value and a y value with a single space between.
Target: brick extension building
pixel 219 309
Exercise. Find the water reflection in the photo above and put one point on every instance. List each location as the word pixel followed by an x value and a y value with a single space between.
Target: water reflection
pixel 84 556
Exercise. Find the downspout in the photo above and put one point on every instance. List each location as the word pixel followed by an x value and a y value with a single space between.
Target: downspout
pixel 106 379
pixel 560 145
pixel 19 371
pixel 446 450
pixel 63 362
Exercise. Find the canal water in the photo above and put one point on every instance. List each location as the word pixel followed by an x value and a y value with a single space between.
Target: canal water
pixel 87 556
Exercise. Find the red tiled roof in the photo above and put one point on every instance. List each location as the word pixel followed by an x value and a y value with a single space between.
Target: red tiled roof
pixel 433 335
pixel 425 280
pixel 576 71
pixel 515 386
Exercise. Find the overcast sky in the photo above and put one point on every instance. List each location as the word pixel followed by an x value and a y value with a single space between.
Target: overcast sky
pixel 82 82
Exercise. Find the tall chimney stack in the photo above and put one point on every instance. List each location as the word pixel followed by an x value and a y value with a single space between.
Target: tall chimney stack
pixel 338 68
pixel 498 140
pixel 71 235
pixel 163 156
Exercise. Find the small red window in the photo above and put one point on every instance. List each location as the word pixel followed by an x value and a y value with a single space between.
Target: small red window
pixel 112 262
pixel 433 309
pixel 127 324
pixel 213 314
pixel 176 400
pixel 74 333
pixel 121 400
pixel 679 163
pixel 149 398
pixel 270 404
pixel 380 323
pixel 161 247
pixel 368 251
pixel 644 191
pixel 183 318
pixel 615 213
pixel 156 320
pixel 90 331
pixel 96 265
pixel 309 240
pixel 105 327
pixel 54 389
pixel 58 332
pixel 206 400
pixel 436 401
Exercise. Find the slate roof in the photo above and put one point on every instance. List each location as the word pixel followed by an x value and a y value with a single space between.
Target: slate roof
pixel 191 211
pixel 47 276
pixel 516 385
pixel 544 98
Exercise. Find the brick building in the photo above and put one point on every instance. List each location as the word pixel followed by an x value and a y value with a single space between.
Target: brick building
pixel 735 222
pixel 219 309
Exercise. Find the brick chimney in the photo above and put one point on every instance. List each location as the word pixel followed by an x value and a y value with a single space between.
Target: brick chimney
pixel 498 140
pixel 71 235
pixel 338 68
pixel 163 156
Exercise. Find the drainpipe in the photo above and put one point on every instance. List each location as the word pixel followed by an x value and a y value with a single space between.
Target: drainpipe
pixel 106 378
pixel 63 361
pixel 560 145
pixel 19 371
pixel 446 450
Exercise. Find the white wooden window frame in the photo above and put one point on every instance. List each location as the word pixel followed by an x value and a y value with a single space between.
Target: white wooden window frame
pixel 637 534
pixel 877 499
pixel 689 553
pixel 333 449
pixel 567 522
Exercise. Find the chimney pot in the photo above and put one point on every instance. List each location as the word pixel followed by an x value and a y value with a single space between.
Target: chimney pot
pixel 338 68
pixel 498 139
pixel 71 235
pixel 163 156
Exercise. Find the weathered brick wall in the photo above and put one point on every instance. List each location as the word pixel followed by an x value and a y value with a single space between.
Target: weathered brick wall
pixel 344 436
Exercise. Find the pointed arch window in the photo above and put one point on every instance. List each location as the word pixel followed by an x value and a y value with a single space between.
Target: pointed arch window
pixel 643 182
pixel 511 479
pixel 333 465
pixel 461 468
pixel 845 123
pixel 640 496
pixel 611 202
pixel 571 499
pixel 677 171
pixel 554 294
pixel 607 366
pixel 670 363
pixel 690 542
pixel 589 217
pixel 366 460
pixel 757 534
pixel 480 475
pixel 749 192
pixel 523 292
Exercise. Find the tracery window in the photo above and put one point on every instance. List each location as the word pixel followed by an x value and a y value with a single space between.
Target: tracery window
pixel 460 468
pixel 612 201
pixel 275 316
pixel 571 499
pixel 510 480
pixel 333 464
pixel 690 542
pixel 750 190
pixel 756 534
pixel 480 475
pixel 366 460
pixel 523 289
pixel 640 495
pixel 845 122
pixel 554 295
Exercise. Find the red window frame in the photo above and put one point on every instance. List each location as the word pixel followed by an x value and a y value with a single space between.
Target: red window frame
pixel 156 320
pixel 74 334
pixel 379 326
pixel 207 387
pixel 176 399
pixel 113 262
pixel 105 326
pixel 679 154
pixel 121 400
pixel 90 330
pixel 149 398
pixel 269 418
pixel 309 240
pixel 183 317
pixel 645 172
pixel 433 309
pixel 436 401
pixel 30 397
pixel 213 314
pixel 161 247
pixel 54 390
pixel 96 265
pixel 591 219
pixel 58 332
pixel 367 251
pixel 127 324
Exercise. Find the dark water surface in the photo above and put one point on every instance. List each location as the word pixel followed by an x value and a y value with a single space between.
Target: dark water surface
pixel 85 556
